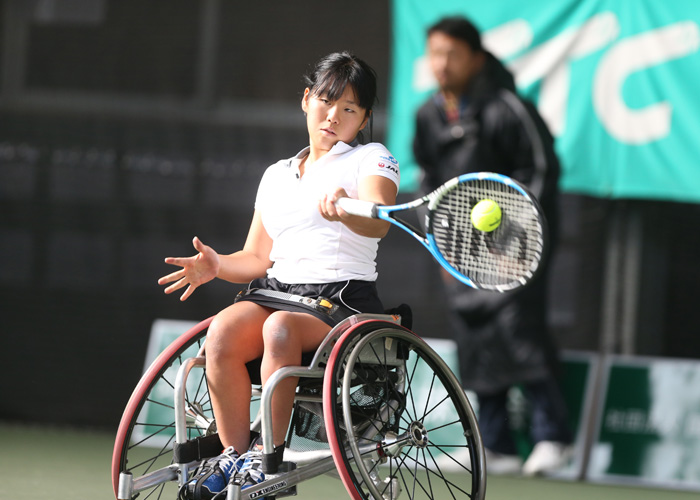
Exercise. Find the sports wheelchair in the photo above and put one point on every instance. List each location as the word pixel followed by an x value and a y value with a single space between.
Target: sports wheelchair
pixel 375 406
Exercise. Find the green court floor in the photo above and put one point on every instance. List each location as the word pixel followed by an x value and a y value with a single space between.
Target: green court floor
pixel 56 463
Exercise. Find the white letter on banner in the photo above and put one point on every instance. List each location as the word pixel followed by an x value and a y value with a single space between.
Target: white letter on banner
pixel 508 39
pixel 639 126
pixel 551 62
pixel 423 78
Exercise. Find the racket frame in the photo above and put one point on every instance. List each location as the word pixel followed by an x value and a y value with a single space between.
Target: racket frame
pixel 427 239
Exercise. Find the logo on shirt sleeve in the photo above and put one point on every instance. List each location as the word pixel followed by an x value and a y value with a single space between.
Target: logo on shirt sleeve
pixel 389 163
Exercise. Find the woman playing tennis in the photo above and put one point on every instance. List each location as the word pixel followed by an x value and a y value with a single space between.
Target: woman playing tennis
pixel 300 243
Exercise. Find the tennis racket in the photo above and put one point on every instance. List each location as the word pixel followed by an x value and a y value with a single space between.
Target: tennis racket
pixel 500 260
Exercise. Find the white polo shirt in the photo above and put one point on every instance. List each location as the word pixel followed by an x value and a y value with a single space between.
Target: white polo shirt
pixel 306 247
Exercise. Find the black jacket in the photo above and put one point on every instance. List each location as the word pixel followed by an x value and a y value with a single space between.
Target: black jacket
pixel 502 338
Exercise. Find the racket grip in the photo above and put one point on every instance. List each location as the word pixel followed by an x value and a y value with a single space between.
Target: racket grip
pixel 358 207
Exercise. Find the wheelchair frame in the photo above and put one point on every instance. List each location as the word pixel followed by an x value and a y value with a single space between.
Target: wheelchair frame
pixel 362 453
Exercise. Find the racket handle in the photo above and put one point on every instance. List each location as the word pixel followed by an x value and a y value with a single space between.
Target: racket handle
pixel 358 207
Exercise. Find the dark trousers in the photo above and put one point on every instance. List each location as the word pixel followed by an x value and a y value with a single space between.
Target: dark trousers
pixel 548 416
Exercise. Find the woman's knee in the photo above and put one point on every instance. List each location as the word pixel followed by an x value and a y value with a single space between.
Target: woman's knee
pixel 221 339
pixel 288 334
pixel 278 333
pixel 234 334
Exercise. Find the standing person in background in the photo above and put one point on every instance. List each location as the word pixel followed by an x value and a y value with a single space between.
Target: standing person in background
pixel 476 122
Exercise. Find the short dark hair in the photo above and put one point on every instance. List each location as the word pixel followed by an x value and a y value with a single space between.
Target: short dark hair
pixel 461 28
pixel 334 72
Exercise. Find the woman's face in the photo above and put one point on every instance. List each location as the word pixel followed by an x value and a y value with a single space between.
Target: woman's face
pixel 332 121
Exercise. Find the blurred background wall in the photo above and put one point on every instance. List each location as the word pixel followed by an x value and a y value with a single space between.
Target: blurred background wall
pixel 127 127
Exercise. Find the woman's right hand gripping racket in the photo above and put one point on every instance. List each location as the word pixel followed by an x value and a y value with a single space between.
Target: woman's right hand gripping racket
pixel 500 259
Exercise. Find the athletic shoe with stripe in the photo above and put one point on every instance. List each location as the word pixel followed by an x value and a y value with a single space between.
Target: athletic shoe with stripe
pixel 251 469
pixel 213 476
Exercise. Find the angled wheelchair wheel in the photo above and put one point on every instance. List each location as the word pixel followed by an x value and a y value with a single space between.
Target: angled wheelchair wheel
pixel 399 424
pixel 146 434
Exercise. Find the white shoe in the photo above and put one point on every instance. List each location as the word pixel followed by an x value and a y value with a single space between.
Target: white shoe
pixel 546 457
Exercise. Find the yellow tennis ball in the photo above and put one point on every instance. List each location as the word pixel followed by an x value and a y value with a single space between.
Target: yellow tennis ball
pixel 486 215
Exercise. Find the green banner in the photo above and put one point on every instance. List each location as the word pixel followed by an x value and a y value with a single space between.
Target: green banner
pixel 649 426
pixel 616 81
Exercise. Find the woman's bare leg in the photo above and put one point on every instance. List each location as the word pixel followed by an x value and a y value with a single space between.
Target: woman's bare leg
pixel 234 338
pixel 286 336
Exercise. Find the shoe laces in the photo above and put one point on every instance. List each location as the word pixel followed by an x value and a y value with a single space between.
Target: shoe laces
pixel 252 465
pixel 226 460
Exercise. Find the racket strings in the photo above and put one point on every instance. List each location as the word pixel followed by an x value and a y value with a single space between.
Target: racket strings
pixel 501 259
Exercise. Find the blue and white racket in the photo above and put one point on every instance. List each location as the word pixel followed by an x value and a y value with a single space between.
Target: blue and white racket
pixel 500 260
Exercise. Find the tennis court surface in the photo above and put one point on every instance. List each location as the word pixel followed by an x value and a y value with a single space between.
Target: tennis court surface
pixel 49 463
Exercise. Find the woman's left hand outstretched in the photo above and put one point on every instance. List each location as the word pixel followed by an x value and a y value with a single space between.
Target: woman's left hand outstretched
pixel 196 270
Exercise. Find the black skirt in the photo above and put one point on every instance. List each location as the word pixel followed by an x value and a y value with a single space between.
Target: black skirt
pixel 330 302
